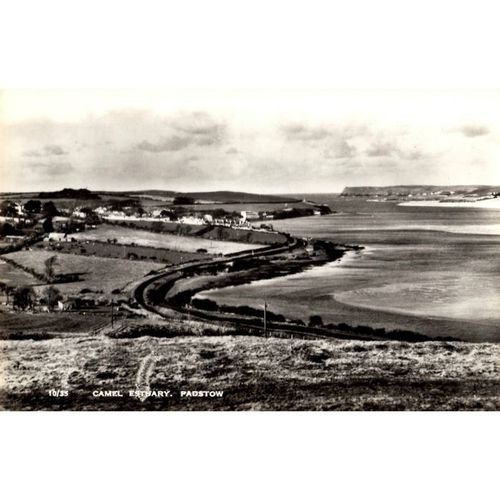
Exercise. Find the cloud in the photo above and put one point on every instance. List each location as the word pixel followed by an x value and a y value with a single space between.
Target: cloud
pixel 232 151
pixel 204 128
pixel 173 143
pixel 49 150
pixel 382 149
pixel 413 155
pixel 474 130
pixel 197 123
pixel 207 140
pixel 54 149
pixel 197 129
pixel 301 132
pixel 298 132
pixel 32 153
pixel 51 168
pixel 341 149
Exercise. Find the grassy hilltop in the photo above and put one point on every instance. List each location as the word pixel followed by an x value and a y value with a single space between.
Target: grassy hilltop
pixel 254 373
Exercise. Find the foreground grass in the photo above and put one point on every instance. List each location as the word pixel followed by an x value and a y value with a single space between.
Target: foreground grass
pixel 254 373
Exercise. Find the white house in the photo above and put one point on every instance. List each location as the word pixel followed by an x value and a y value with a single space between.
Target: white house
pixel 249 215
pixel 79 214
pixel 197 221
pixel 56 237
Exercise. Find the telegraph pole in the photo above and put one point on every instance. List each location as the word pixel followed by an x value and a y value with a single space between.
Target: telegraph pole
pixel 265 319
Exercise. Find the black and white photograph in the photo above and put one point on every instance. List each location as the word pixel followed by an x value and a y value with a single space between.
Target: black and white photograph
pixel 250 251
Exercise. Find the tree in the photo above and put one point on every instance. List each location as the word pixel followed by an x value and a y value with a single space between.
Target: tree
pixel 4 290
pixel 48 227
pixel 157 226
pixel 33 206
pixel 7 229
pixel 315 321
pixel 51 296
pixel 122 204
pixel 49 268
pixel 8 209
pixel 49 209
pixel 91 217
pixel 23 298
pixel 183 200
pixel 218 213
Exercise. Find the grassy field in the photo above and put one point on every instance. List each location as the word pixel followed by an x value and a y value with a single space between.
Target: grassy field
pixel 97 273
pixel 254 373
pixel 40 323
pixel 219 233
pixel 127 236
pixel 12 276
pixel 103 249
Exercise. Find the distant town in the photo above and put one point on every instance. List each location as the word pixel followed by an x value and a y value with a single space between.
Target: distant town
pixel 76 239
pixel 456 194
pixel 58 215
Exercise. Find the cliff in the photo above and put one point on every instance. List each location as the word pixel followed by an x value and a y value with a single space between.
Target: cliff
pixel 419 190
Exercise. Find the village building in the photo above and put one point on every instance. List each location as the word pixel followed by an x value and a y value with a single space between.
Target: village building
pixel 161 214
pixel 56 236
pixel 72 303
pixel 249 215
pixel 16 220
pixel 79 214
pixel 101 210
pixel 196 221
pixel 12 238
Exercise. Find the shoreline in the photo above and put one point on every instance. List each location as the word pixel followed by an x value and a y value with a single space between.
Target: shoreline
pixel 337 311
pixel 182 295
pixel 261 270
pixel 435 329
pixel 488 204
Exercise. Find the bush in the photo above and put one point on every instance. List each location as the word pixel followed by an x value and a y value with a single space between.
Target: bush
pixel 343 327
pixel 51 296
pixel 23 298
pixel 315 321
pixel 205 304
pixel 183 200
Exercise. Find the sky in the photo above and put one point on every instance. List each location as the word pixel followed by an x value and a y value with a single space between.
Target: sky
pixel 274 142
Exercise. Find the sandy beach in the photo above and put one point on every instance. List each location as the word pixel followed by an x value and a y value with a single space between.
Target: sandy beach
pixel 491 203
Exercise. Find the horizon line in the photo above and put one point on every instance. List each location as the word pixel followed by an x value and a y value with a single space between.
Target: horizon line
pixel 246 192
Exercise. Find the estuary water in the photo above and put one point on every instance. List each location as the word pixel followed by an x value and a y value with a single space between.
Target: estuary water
pixel 433 270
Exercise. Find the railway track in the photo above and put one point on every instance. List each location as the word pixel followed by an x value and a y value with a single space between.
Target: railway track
pixel 180 271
